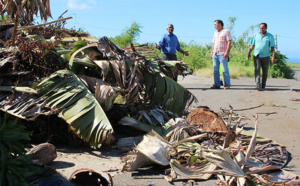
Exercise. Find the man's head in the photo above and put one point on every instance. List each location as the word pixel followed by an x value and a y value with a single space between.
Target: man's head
pixel 219 24
pixel 170 28
pixel 263 28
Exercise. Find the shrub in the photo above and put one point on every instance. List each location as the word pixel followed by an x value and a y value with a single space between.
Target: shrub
pixel 15 167
pixel 280 69
pixel 199 55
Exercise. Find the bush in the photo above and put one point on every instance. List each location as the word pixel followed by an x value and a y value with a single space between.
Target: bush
pixel 280 69
pixel 199 55
pixel 15 167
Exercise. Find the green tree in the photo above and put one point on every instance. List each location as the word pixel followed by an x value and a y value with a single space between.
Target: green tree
pixel 129 35
pixel 231 25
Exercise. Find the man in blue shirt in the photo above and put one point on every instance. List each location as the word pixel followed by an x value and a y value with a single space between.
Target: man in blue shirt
pixel 262 43
pixel 169 44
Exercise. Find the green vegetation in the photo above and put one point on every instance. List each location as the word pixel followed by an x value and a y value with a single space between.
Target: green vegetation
pixel 14 164
pixel 293 65
pixel 199 54
pixel 129 35
pixel 280 69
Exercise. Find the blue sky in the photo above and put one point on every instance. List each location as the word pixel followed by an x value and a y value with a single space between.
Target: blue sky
pixel 193 20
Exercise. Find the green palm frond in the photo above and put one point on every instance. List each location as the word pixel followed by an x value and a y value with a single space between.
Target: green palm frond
pixel 80 47
pixel 65 93
pixel 169 94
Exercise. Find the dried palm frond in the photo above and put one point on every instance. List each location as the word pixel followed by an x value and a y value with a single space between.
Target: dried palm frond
pixel 26 9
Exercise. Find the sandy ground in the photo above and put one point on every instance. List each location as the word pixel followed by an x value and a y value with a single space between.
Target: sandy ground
pixel 282 126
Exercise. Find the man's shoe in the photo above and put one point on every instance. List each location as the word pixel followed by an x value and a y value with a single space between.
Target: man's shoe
pixel 258 88
pixel 215 87
pixel 226 87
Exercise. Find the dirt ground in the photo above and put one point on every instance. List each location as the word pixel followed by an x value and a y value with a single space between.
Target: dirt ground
pixel 279 120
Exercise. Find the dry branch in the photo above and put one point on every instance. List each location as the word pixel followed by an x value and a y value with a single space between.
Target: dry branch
pixel 43 24
pixel 244 108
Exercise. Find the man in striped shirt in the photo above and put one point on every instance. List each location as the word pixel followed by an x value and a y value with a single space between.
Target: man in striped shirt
pixel 220 49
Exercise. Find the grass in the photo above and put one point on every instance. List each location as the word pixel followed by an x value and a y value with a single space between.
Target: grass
pixel 241 71
pixel 206 72
pixel 293 65
pixel 235 71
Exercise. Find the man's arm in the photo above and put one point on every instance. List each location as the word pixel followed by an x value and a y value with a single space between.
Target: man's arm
pixel 249 54
pixel 178 48
pixel 160 43
pixel 226 55
pixel 212 50
pixel 156 46
pixel 184 52
pixel 273 55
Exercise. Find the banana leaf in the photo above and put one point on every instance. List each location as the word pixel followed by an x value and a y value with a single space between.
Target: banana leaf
pixel 104 93
pixel 65 93
pixel 183 173
pixel 78 49
pixel 224 161
pixel 158 153
pixel 17 89
pixel 127 121
pixel 140 75
pixel 167 93
pixel 21 102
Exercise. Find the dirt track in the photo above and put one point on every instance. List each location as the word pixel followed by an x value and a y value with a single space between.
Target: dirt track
pixel 279 120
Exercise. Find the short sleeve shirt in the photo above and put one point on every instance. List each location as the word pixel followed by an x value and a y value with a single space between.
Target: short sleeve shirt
pixel 220 41
pixel 262 44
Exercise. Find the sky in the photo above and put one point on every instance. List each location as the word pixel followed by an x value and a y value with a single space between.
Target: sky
pixel 193 20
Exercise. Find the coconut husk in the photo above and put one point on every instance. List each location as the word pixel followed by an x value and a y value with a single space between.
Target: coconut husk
pixel 206 119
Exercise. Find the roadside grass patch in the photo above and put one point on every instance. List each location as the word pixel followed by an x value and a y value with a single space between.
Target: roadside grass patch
pixel 293 65
pixel 235 71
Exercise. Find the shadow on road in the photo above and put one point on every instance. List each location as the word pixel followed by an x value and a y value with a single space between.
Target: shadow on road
pixel 245 87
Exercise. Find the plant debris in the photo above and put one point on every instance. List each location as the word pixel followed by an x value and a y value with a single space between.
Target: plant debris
pixel 234 155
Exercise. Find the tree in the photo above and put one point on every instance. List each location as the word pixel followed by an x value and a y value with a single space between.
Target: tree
pixel 129 35
pixel 231 25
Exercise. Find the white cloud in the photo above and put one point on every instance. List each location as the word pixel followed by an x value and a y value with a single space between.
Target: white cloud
pixel 80 4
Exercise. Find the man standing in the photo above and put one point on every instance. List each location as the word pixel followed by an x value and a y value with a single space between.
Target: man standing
pixel 220 49
pixel 169 44
pixel 262 42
